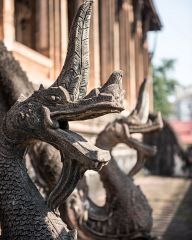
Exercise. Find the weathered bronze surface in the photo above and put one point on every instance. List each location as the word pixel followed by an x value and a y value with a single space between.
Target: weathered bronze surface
pixel 126 213
pixel 44 116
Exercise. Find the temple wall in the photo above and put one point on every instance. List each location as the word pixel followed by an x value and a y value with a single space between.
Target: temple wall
pixel 37 33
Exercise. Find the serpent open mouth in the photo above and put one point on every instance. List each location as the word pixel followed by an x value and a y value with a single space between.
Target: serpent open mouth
pixel 98 102
pixel 81 154
pixel 66 100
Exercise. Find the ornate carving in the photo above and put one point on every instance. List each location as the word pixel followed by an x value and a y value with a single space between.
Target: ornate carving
pixel 126 213
pixel 44 116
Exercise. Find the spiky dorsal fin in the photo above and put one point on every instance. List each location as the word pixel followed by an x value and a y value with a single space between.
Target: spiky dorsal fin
pixel 75 72
pixel 141 110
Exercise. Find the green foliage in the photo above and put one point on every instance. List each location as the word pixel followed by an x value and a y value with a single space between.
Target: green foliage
pixel 163 86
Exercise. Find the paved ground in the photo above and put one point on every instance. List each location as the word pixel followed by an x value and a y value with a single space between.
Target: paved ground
pixel 171 200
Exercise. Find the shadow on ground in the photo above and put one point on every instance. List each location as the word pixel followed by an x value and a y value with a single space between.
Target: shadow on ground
pixel 180 228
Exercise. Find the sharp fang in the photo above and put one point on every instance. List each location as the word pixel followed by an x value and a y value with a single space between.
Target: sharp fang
pixel 85 216
pixel 62 181
pixel 47 119
pixel 68 186
pixel 139 165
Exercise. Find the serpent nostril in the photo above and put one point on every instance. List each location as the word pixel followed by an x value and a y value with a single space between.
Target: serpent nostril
pixel 99 165
pixel 64 125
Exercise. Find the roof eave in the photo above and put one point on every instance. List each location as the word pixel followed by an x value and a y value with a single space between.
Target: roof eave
pixel 155 24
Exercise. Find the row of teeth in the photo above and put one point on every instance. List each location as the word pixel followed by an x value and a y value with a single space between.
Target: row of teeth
pixel 48 120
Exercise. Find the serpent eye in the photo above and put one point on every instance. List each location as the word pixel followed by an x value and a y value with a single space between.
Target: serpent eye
pixel 55 98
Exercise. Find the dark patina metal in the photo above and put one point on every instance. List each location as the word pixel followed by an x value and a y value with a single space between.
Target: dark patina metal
pixel 44 116
pixel 126 213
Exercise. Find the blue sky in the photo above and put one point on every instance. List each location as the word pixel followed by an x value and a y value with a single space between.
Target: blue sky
pixel 175 39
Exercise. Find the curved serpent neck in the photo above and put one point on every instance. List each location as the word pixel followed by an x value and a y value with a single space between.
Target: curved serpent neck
pixel 106 140
pixel 111 175
pixel 24 213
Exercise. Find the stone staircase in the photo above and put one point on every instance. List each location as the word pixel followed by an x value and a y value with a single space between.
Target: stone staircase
pixel 171 200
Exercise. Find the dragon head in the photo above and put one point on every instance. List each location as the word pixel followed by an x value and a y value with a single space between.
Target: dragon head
pixel 45 114
pixel 122 129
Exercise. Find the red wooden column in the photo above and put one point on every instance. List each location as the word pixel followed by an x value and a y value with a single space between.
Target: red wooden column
pixel 145 28
pixel 127 53
pixel 7 28
pixel 1 19
pixel 132 69
pixel 94 48
pixel 146 61
pixel 64 29
pixel 58 34
pixel 124 30
pixel 117 37
pixel 139 68
pixel 107 19
pixel 51 37
pixel 42 28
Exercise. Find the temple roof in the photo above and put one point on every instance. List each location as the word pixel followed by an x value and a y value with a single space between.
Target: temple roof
pixel 155 22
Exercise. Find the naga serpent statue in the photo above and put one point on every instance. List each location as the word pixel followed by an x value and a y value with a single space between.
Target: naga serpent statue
pixel 126 213
pixel 168 146
pixel 44 116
